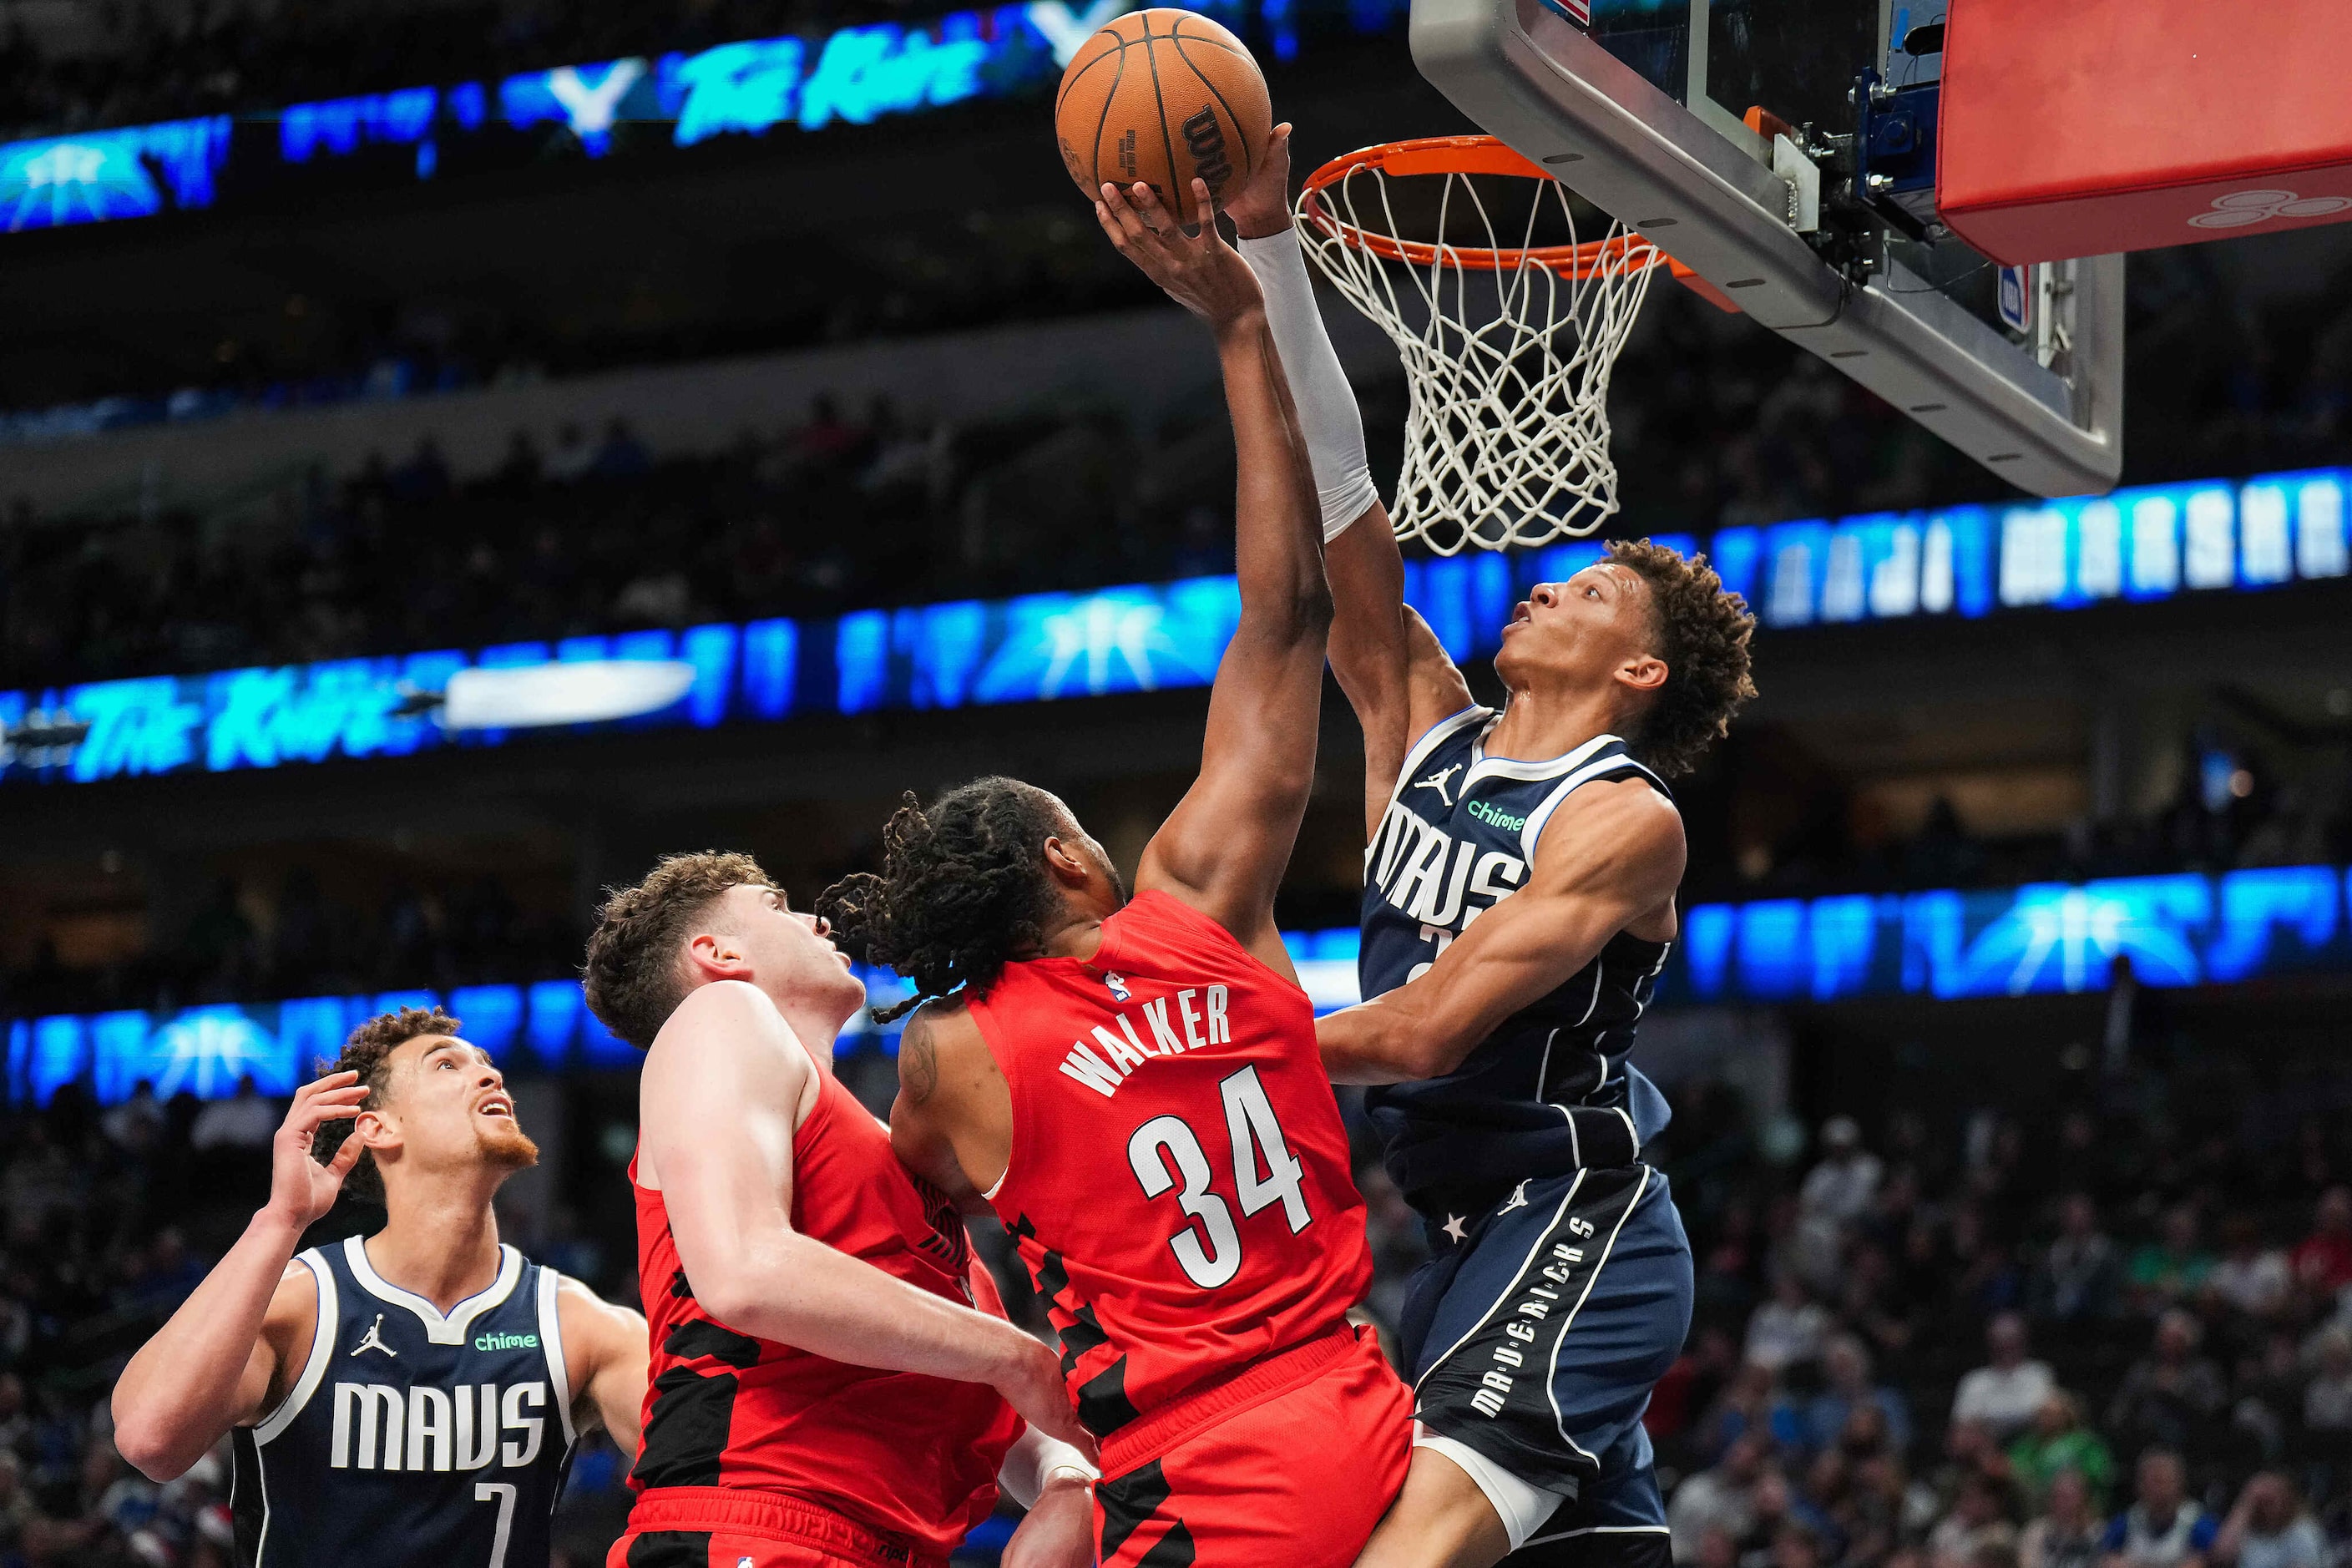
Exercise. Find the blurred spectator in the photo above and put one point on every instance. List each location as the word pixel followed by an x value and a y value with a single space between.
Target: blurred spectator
pixel 2323 1260
pixel 136 1124
pixel 1787 1330
pixel 2008 1392
pixel 2328 1400
pixel 1719 1498
pixel 2250 1277
pixel 248 1120
pixel 2164 1528
pixel 1837 1191
pixel 1846 1371
pixel 1979 1521
pixel 2079 1275
pixel 2057 1444
pixel 2172 1268
pixel 2170 1396
pixel 2067 1532
pixel 2270 1529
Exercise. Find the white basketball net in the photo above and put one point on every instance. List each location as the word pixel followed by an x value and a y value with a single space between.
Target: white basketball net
pixel 1507 436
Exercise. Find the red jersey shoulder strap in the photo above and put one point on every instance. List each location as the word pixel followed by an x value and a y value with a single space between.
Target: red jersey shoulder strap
pixel 1158 915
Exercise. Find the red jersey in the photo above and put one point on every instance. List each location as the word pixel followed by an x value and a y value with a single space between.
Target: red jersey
pixel 1179 1184
pixel 911 1459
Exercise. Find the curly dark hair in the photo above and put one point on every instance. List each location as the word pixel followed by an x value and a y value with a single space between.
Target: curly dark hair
pixel 963 890
pixel 368 1052
pixel 634 976
pixel 1703 635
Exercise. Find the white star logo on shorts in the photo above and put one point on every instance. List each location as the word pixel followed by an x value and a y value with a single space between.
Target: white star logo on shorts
pixel 1452 1228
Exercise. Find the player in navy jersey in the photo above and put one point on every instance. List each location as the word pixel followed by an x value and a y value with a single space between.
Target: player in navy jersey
pixel 411 1397
pixel 1519 903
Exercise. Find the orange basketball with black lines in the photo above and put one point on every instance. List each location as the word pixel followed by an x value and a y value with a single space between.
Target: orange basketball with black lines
pixel 1160 95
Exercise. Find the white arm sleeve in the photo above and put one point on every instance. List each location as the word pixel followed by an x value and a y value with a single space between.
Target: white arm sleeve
pixel 1034 1460
pixel 1327 415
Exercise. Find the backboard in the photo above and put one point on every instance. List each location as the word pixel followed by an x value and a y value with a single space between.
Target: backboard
pixel 1784 150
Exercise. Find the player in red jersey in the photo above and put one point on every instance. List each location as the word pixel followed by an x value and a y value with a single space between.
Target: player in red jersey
pixel 1135 1086
pixel 831 1372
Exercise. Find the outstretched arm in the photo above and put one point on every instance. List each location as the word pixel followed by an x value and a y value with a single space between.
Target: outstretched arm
pixel 1226 846
pixel 606 1348
pixel 222 1355
pixel 721 1090
pixel 1397 677
pixel 1611 856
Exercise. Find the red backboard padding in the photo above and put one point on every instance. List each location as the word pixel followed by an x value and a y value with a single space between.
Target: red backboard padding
pixel 2082 127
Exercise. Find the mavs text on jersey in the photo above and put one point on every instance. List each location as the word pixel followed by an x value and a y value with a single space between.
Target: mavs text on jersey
pixel 410 1436
pixel 1550 1089
pixel 1560 1287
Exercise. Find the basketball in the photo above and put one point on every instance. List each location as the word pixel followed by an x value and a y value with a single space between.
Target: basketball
pixel 1160 95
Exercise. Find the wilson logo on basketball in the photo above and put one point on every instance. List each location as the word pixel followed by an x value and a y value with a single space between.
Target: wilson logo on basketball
pixel 1206 140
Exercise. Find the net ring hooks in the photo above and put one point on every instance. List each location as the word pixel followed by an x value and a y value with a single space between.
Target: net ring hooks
pixel 1506 429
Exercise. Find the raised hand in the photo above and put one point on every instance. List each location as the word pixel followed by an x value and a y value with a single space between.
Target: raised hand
pixel 1263 206
pixel 300 1188
pixel 1200 270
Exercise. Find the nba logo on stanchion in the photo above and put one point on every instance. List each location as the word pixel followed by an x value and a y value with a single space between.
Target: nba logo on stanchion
pixel 1577 11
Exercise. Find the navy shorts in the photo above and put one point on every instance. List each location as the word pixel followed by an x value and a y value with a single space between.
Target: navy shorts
pixel 1535 1340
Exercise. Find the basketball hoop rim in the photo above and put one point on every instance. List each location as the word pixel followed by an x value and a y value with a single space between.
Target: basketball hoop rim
pixel 1616 256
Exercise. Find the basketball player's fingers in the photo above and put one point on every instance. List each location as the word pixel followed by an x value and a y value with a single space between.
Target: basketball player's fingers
pixel 321 1107
pixel 326 1082
pixel 1110 226
pixel 346 1157
pixel 1205 236
pixel 1123 214
pixel 1156 217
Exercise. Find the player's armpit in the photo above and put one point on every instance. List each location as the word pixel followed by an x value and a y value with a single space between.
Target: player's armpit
pixel 1438 691
pixel 1612 855
pixel 606 1348
pixel 952 1121
pixel 1397 677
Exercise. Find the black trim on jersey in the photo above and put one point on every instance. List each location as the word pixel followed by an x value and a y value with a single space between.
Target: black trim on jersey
pixel 1173 1549
pixel 1103 1404
pixel 670 1549
pixel 248 1510
pixel 1128 1501
pixel 685 1431
pixel 701 1337
pixel 1606 1547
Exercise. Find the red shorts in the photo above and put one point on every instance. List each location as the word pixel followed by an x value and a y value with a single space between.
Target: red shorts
pixel 1291 1463
pixel 728 1527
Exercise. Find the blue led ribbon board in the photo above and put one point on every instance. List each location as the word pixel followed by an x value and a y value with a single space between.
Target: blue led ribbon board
pixel 2187 929
pixel 2138 544
pixel 545 1025
pixel 2175 930
pixel 852 75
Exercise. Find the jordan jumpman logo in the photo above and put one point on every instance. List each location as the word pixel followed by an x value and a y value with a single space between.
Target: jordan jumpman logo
pixel 373 1340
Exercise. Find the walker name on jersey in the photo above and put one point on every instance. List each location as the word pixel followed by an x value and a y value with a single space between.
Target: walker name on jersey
pixel 1175 1023
pixel 378 1427
pixel 1430 877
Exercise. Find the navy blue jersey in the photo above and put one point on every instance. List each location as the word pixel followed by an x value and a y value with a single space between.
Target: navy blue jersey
pixel 1549 1091
pixel 411 1438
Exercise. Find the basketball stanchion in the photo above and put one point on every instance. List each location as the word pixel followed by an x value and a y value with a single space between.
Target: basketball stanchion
pixel 1507 348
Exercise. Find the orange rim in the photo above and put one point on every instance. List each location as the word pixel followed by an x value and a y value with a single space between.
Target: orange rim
pixel 1464 156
